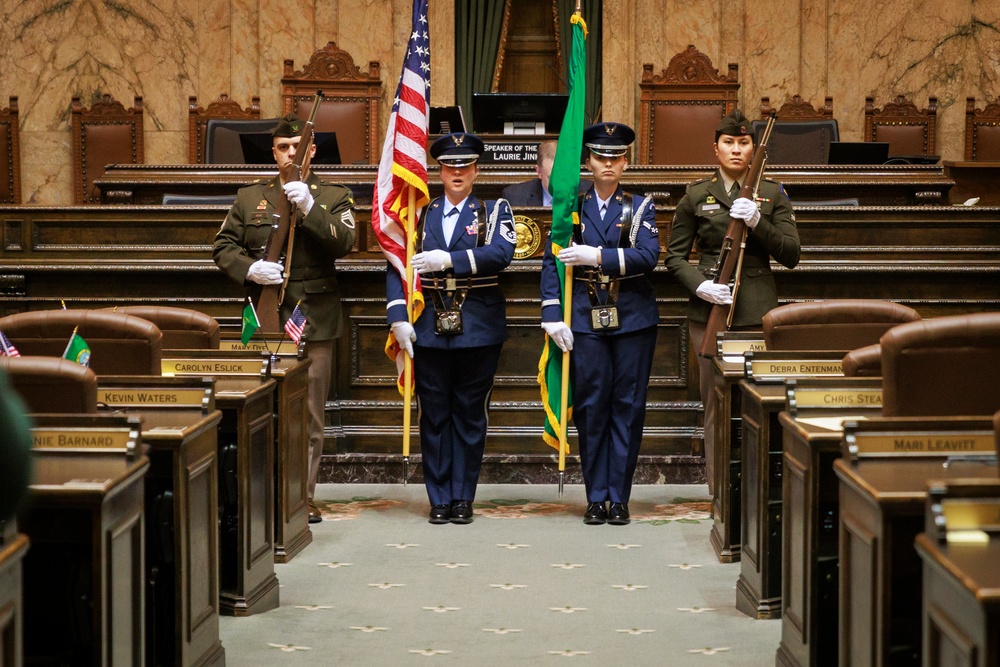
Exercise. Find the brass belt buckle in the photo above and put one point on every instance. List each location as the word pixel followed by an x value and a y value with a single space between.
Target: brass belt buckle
pixel 450 284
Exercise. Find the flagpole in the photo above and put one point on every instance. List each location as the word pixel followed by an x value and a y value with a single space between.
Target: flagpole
pixel 564 394
pixel 409 227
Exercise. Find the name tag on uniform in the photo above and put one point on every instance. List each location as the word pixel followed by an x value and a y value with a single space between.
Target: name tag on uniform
pixel 711 207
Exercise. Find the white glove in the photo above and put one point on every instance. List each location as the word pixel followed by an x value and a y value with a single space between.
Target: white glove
pixel 264 272
pixel 560 334
pixel 745 210
pixel 586 255
pixel 713 292
pixel 432 260
pixel 298 193
pixel 405 336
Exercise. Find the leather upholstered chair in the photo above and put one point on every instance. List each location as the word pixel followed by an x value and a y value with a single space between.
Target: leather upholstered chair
pixel 182 328
pixel 350 106
pixel 908 130
pixel 838 324
pixel 104 134
pixel 52 384
pixel 680 107
pixel 863 362
pixel 10 154
pixel 119 344
pixel 942 366
pixel 801 134
pixel 982 131
pixel 221 109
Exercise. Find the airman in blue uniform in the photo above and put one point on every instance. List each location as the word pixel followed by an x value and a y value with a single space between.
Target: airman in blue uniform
pixel 613 328
pixel 463 244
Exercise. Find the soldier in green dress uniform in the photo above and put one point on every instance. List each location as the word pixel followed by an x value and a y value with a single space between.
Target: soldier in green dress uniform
pixel 326 232
pixel 701 218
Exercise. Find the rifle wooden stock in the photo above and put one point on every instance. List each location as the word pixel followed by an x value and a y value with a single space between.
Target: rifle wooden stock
pixel 281 238
pixel 732 249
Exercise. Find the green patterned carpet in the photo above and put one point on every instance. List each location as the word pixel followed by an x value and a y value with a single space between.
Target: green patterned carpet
pixel 526 583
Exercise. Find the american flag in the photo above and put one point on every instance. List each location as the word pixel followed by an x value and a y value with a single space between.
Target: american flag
pixel 7 348
pixel 295 324
pixel 403 166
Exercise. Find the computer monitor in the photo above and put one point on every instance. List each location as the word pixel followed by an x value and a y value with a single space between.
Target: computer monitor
pixel 859 152
pixel 491 111
pixel 224 146
pixel 445 120
pixel 256 148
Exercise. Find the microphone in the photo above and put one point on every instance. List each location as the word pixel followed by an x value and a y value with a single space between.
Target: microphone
pixel 565 85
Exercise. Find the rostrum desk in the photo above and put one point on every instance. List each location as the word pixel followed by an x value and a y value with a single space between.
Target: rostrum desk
pixel 84 574
pixel 883 504
pixel 291 428
pixel 961 603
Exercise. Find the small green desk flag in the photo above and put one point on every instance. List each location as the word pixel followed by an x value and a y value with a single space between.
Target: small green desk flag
pixel 77 350
pixel 250 323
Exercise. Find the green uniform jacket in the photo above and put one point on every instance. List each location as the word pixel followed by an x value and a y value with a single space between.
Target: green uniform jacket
pixel 15 449
pixel 702 216
pixel 324 235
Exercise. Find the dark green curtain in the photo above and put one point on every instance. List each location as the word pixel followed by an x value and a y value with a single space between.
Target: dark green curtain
pixel 477 38
pixel 592 16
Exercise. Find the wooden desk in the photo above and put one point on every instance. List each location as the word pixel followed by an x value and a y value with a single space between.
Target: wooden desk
pixel 808 544
pixel 248 584
pixel 12 551
pixel 758 590
pixel 882 510
pixel 726 503
pixel 974 179
pixel 83 577
pixel 291 443
pixel 961 603
pixel 182 538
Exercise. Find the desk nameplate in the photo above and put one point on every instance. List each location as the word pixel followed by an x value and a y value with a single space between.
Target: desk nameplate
pixel 735 348
pixel 962 514
pixel 967 444
pixel 831 398
pixel 778 370
pixel 70 439
pixel 126 397
pixel 285 347
pixel 195 366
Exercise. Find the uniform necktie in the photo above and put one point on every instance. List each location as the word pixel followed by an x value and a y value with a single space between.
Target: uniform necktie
pixel 448 224
pixel 734 191
pixel 604 209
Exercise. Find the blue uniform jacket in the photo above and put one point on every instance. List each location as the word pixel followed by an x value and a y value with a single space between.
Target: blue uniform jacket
pixel 636 302
pixel 484 313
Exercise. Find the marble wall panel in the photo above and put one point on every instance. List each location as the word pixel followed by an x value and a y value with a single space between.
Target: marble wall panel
pixel 170 49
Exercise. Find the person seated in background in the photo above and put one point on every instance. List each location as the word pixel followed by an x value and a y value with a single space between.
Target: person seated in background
pixel 15 450
pixel 536 191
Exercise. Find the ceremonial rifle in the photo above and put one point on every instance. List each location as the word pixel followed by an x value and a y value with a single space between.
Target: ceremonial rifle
pixel 284 220
pixel 730 261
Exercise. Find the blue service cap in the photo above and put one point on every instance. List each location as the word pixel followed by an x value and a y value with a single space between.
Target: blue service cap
pixel 459 149
pixel 608 139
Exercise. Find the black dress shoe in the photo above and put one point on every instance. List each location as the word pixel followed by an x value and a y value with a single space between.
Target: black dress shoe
pixel 439 514
pixel 315 516
pixel 595 514
pixel 461 511
pixel 618 514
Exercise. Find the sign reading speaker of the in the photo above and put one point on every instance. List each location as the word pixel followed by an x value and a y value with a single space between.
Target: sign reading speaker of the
pixel 509 153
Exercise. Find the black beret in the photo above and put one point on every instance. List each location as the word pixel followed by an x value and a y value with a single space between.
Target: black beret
pixel 459 149
pixel 289 126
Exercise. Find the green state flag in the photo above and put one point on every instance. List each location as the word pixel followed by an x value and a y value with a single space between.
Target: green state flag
pixel 564 184
pixel 77 350
pixel 250 323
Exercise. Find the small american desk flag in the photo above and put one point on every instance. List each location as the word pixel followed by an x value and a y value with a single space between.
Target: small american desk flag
pixel 296 324
pixel 7 348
